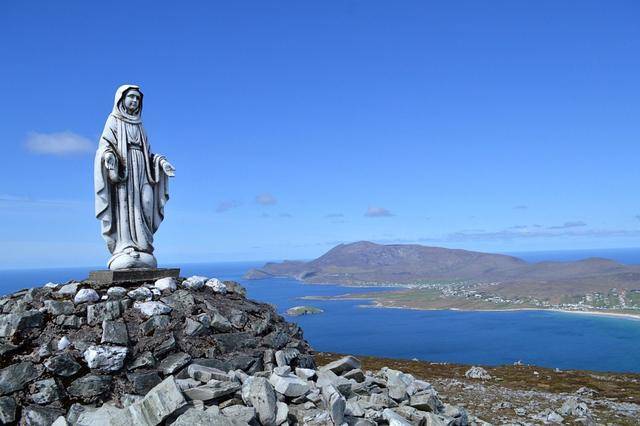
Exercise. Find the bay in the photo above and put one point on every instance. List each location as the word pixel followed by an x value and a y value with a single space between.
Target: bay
pixel 544 338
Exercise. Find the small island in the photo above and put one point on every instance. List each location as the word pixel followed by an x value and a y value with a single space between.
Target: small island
pixel 297 311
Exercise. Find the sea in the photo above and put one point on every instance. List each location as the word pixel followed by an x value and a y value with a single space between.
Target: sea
pixel 549 339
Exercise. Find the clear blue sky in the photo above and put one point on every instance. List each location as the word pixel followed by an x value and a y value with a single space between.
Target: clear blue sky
pixel 295 125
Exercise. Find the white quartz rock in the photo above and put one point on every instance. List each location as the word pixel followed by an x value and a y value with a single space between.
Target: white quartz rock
pixel 86 295
pixel 106 358
pixel 216 285
pixel 167 283
pixel 150 309
pixel 194 282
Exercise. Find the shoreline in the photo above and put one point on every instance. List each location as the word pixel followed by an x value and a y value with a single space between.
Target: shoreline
pixel 377 304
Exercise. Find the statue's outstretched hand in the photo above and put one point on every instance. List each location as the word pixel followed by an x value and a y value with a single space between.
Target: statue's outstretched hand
pixel 168 168
pixel 110 161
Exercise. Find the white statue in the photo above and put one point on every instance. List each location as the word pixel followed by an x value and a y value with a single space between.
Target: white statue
pixel 131 184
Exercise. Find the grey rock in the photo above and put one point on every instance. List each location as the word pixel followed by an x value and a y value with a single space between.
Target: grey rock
pixel 16 376
pixel 212 390
pixel 282 413
pixel 240 413
pixel 74 412
pixel 116 293
pixel 204 374
pixel 68 290
pixel 174 362
pixel 89 386
pixel 158 404
pixel 305 373
pixel 55 307
pixel 63 343
pixel 114 332
pixel 103 311
pixel 352 408
pixel 291 386
pixel 165 347
pixel 145 359
pixel 34 415
pixel 144 381
pixel 189 383
pixel 286 356
pixel 426 401
pixel 86 295
pixel 182 300
pixel 141 294
pixel 284 371
pixel 220 323
pixel 257 392
pixel 342 365
pixel 192 327
pixel 62 365
pixel 156 322
pixel 7 409
pixel 70 321
pixel 107 415
pixel 394 419
pixel 105 358
pixel 193 417
pixel 355 374
pixel 335 403
pixel 149 309
pixel 10 324
pixel 46 391
pixel 234 287
pixel 6 348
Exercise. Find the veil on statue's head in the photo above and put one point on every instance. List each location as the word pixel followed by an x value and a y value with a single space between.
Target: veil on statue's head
pixel 118 104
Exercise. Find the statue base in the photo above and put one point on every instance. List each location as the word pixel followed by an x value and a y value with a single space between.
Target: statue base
pixel 105 278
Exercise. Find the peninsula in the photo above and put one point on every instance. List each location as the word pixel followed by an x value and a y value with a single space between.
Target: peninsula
pixel 441 278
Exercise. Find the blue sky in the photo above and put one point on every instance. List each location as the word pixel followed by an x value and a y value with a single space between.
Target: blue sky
pixel 295 125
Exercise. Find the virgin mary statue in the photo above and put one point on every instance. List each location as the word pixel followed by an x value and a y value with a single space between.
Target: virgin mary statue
pixel 130 184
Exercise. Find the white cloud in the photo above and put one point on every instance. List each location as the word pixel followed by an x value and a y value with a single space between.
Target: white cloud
pixel 266 199
pixel 61 143
pixel 378 212
pixel 227 205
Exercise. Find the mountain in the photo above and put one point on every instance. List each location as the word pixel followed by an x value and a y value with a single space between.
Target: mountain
pixel 366 262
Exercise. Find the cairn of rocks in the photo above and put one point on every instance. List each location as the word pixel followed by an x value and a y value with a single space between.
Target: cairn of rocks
pixel 191 352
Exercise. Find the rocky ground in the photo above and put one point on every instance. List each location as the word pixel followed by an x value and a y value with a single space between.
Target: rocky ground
pixel 523 394
pixel 196 352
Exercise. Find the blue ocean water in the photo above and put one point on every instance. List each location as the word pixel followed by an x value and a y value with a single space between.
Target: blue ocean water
pixel 550 339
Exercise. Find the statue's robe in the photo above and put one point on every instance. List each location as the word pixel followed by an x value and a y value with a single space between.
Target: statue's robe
pixel 129 202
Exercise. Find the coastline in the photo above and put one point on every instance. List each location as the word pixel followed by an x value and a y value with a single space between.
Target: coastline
pixel 377 304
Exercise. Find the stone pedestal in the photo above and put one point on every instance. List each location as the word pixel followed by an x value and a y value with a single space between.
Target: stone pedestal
pixel 106 277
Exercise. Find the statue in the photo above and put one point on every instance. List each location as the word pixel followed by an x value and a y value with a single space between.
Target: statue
pixel 131 184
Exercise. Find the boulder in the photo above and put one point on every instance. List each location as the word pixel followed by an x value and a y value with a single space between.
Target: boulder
pixel 116 293
pixel 477 373
pixel 216 285
pixel 90 386
pixel 426 401
pixel 394 419
pixel 193 417
pixel 158 404
pixel 7 409
pixel 12 323
pixel 204 374
pixel 166 284
pixel 114 332
pixel 141 294
pixel 574 406
pixel 174 362
pixel 62 365
pixel 86 295
pixel 16 376
pixel 195 282
pixel 103 311
pixel 55 307
pixel 149 309
pixel 240 413
pixel 144 381
pixel 105 358
pixel 36 415
pixel 342 365
pixel 68 290
pixel 213 389
pixel 257 392
pixel 46 391
pixel 291 385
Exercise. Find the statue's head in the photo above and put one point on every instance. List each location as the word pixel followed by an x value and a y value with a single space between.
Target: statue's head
pixel 128 100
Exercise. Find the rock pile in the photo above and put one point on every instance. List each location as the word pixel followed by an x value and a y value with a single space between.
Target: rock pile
pixel 191 352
